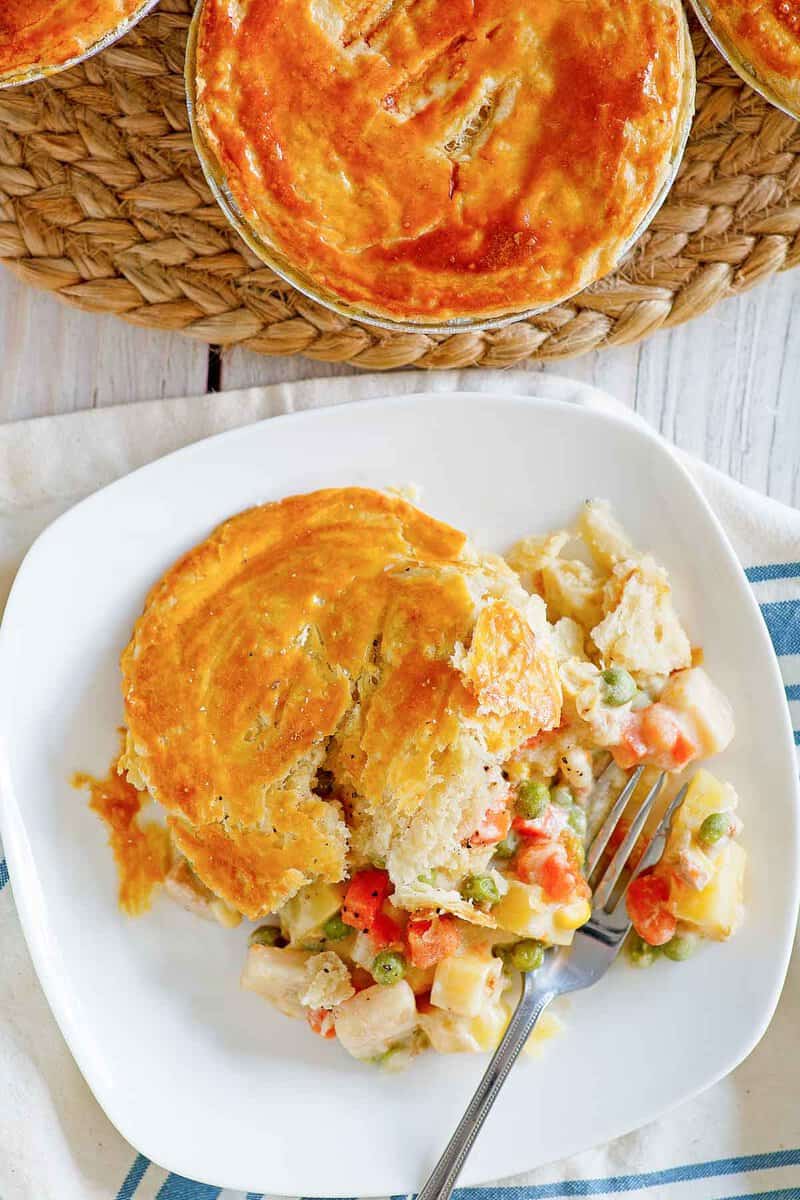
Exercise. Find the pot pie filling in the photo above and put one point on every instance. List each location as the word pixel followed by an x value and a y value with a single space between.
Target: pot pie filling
pixel 42 34
pixel 441 158
pixel 392 750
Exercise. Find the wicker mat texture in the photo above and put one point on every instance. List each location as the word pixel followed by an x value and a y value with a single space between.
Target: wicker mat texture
pixel 103 203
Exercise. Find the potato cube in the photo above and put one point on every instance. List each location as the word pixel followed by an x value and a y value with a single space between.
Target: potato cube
pixel 463 984
pixel 419 979
pixel 304 915
pixel 370 1022
pixel 490 1025
pixel 448 1033
pixel 521 909
pixel 706 795
pixel 524 911
pixel 279 975
pixel 693 693
pixel 717 910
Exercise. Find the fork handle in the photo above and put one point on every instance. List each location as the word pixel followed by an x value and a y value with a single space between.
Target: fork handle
pixel 531 1005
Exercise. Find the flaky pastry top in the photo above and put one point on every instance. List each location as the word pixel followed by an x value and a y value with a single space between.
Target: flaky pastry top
pixel 766 35
pixel 37 34
pixel 439 158
pixel 342 635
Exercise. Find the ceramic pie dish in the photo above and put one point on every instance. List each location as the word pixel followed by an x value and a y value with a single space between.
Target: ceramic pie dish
pixel 437 167
pixel 760 39
pixel 38 37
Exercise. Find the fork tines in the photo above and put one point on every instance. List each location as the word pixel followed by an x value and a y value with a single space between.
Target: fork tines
pixel 604 890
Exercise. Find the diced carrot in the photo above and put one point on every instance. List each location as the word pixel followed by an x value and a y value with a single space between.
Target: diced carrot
pixel 632 748
pixel 647 900
pixel 364 899
pixel 657 735
pixel 384 932
pixel 669 745
pixel 431 941
pixel 549 866
pixel 618 837
pixel 493 828
pixel 321 1022
pixel 544 828
pixel 557 880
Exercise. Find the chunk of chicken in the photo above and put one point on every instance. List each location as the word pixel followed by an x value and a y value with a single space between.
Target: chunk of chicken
pixel 183 886
pixel 371 1022
pixel 279 975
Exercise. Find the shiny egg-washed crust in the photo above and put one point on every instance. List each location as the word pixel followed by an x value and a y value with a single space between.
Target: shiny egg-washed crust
pixel 428 159
pixel 344 623
pixel 42 34
pixel 765 34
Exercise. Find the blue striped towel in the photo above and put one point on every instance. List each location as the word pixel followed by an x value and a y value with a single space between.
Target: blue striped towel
pixel 738 1141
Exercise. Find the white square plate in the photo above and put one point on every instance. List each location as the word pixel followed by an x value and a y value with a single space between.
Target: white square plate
pixel 207 1080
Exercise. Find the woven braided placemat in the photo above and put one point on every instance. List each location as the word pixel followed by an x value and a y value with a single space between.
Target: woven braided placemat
pixel 103 203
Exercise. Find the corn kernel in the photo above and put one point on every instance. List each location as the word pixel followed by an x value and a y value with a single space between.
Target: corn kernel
pixel 573 915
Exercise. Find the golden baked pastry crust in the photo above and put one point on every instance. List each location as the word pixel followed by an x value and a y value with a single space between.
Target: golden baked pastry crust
pixel 443 158
pixel 344 629
pixel 766 35
pixel 37 34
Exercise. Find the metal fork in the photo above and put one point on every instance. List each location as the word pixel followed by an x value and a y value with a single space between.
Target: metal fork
pixel 569 969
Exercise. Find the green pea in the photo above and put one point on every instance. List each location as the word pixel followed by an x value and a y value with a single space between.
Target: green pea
pixel 480 888
pixel 576 846
pixel 715 826
pixel 640 952
pixel 577 820
pixel 335 928
pixel 532 799
pixel 562 796
pixel 389 967
pixel 313 947
pixel 680 948
pixel 527 955
pixel 508 847
pixel 618 686
pixel 267 935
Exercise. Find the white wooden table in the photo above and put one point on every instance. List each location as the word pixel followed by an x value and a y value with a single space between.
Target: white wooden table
pixel 725 387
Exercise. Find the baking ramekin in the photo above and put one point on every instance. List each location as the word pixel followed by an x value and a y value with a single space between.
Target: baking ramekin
pixel 272 255
pixel 741 65
pixel 30 74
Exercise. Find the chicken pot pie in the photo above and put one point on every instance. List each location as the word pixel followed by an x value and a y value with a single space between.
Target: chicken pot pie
pixel 440 160
pixel 39 36
pixel 763 37
pixel 393 747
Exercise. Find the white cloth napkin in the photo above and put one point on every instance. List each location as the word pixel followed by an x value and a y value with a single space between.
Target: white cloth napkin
pixel 739 1140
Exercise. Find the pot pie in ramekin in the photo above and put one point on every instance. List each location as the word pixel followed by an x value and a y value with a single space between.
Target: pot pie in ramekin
pixel 761 41
pixel 38 37
pixel 395 748
pixel 440 162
